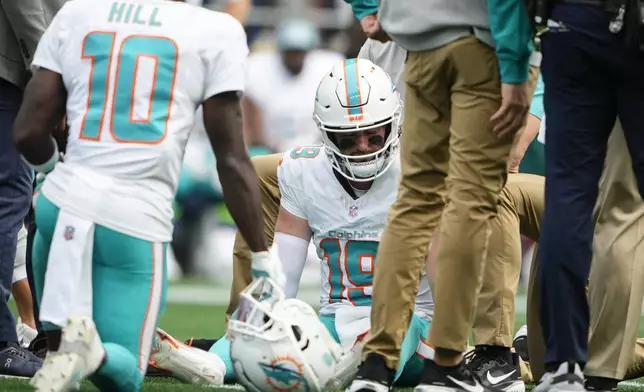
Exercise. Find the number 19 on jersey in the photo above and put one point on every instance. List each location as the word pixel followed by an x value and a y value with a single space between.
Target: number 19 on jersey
pixel 350 269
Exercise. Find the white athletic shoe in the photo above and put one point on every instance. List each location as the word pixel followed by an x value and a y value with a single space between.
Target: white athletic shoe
pixel 188 364
pixel 567 378
pixel 80 355
pixel 25 333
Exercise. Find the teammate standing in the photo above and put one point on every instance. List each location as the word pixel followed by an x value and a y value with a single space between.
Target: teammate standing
pixel 129 76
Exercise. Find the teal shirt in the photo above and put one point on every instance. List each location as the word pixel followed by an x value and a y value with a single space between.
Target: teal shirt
pixel 362 8
pixel 511 29
pixel 536 106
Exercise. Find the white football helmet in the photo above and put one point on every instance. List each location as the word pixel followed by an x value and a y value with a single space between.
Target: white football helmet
pixel 357 95
pixel 279 344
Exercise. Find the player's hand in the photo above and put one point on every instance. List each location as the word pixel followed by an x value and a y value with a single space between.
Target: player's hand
pixel 372 28
pixel 510 117
pixel 516 157
pixel 268 264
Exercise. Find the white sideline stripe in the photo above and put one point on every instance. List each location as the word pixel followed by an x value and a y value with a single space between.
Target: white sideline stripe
pixel 634 384
pixel 218 295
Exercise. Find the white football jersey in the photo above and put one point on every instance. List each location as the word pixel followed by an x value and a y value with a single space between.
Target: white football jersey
pixel 135 72
pixel 346 231
pixel 286 101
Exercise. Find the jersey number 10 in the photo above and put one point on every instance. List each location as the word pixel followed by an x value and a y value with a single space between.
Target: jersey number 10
pixel 99 48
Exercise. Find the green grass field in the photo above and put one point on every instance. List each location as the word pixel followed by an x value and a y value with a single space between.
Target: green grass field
pixel 205 321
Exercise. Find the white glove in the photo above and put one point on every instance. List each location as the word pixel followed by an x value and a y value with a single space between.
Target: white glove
pixel 268 265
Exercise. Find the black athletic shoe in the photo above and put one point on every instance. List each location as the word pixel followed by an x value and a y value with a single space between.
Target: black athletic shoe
pixel 373 376
pixel 202 344
pixel 496 368
pixel 154 371
pixel 38 346
pixel 600 384
pixel 436 378
pixel 520 343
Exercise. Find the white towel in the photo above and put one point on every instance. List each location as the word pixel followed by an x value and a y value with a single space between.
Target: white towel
pixel 68 281
pixel 19 263
pixel 541 137
pixel 351 322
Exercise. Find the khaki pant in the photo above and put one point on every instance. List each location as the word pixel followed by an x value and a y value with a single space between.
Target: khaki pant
pixel 615 294
pixel 494 319
pixel 519 213
pixel 451 94
pixel 617 274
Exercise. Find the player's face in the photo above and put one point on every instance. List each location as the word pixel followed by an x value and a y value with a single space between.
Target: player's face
pixel 294 60
pixel 362 142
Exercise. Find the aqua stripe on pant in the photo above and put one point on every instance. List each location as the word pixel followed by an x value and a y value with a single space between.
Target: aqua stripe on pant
pixel 129 289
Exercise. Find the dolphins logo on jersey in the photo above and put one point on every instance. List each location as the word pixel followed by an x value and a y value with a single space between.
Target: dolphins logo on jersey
pixel 285 374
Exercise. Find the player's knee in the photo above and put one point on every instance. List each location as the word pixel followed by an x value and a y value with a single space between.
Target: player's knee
pixel 473 201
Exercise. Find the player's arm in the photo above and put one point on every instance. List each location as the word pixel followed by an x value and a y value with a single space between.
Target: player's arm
pixel 531 129
pixel 266 169
pixel 223 122
pixel 225 77
pixel 292 237
pixel 292 230
pixel 42 109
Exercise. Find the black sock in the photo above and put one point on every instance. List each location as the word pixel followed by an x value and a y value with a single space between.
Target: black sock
pixel 496 351
pixel 552 367
pixel 375 368
pixel 448 369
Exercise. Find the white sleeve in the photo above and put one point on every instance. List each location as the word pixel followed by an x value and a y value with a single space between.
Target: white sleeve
pixel 292 252
pixel 289 195
pixel 365 52
pixel 226 66
pixel 255 70
pixel 48 52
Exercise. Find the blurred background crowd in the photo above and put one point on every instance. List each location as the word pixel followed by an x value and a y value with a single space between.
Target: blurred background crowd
pixel 293 43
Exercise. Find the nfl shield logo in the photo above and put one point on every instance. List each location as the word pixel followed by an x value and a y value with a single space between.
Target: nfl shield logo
pixel 69 233
pixel 353 211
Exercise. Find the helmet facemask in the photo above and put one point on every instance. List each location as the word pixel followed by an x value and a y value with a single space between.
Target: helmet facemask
pixel 357 96
pixel 367 167
pixel 279 343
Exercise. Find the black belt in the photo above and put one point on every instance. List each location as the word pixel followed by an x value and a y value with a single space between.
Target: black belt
pixel 608 5
pixel 583 2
